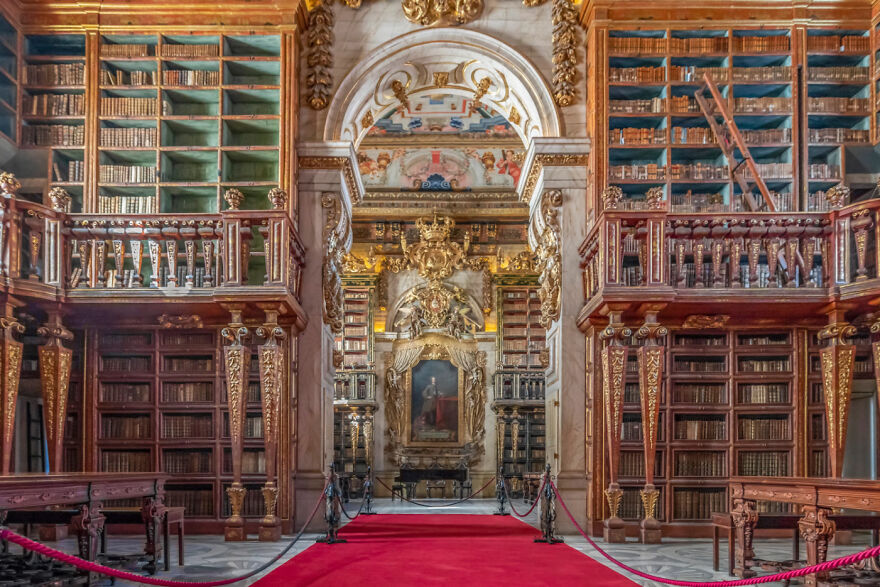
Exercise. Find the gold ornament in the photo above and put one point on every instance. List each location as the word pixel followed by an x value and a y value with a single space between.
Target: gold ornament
pixel 435 256
pixel 59 199
pixel 337 240
pixel 838 196
pixel 448 12
pixel 565 43
pixel 234 198
pixel 9 184
pixel 612 195
pixel 319 38
pixel 399 90
pixel 278 198
pixel 549 255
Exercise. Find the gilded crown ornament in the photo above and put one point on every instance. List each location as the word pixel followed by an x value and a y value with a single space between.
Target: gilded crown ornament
pixel 837 196
pixel 278 198
pixel 435 256
pixel 234 198
pixel 59 199
pixel 443 12
pixel 654 198
pixel 612 195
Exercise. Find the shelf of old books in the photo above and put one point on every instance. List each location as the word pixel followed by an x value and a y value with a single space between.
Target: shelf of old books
pixel 355 341
pixel 9 52
pixel 521 338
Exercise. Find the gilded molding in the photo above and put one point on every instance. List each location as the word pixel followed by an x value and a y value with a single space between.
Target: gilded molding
pixel 565 43
pixel 702 321
pixel 319 59
pixel 549 257
pixel 337 240
pixel 11 356
pixel 180 321
pixel 548 160
pixel 837 362
pixel 341 163
pixel 442 12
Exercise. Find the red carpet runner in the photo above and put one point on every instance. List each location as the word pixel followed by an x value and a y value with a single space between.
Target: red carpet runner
pixel 442 549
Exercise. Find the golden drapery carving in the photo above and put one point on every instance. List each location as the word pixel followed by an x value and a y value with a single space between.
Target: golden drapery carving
pixel 549 255
pixel 337 243
pixel 319 60
pixel 55 361
pixel 837 361
pixel 237 358
pixel 565 47
pixel 10 355
pixel 447 12
pixel 463 354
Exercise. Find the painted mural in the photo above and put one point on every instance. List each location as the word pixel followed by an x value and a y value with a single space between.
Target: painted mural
pixel 439 170
pixel 443 114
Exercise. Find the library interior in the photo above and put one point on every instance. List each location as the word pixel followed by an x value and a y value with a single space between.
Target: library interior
pixel 603 268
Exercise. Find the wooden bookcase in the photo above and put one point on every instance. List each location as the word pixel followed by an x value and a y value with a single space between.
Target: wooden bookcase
pixel 349 456
pixel 530 454
pixel 801 97
pixel 54 108
pixel 161 405
pixel 728 407
pixel 9 78
pixel 179 118
pixel 521 338
pixel 356 341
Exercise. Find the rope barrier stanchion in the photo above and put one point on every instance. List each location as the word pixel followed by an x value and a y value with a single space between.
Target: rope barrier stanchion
pixel 534 503
pixel 436 505
pixel 368 493
pixel 332 508
pixel 7 535
pixel 500 493
pixel 548 511
pixel 786 576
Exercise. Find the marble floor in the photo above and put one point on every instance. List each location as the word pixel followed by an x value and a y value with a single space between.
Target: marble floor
pixel 209 557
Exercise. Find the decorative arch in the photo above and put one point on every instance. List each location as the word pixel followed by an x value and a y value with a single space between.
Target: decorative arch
pixel 452 61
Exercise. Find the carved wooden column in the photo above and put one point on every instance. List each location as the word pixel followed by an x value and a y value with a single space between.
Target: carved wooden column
pixel 275 239
pixel 53 242
pixel 500 430
pixel 861 224
pixel 817 529
pixel 745 516
pixel 237 357
pixel 838 359
pixel 613 377
pixel 651 360
pixel 10 361
pixel 55 361
pixel 271 355
pixel 368 436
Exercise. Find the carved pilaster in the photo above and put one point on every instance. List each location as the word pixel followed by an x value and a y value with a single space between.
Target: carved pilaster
pixel 118 263
pixel 337 243
pixel 613 378
pixel 549 253
pixel 55 361
pixel 838 359
pixel 208 256
pixel 514 431
pixel 271 355
pixel 745 517
pixel 189 246
pixel 817 529
pixel 861 224
pixel 500 431
pixel 368 436
pixel 237 357
pixel 137 259
pixel 171 255
pixel 651 360
pixel 875 347
pixel 155 262
pixel 10 361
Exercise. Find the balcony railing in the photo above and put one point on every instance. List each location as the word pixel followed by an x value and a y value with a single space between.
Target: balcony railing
pixel 122 253
pixel 519 386
pixel 735 251
pixel 354 386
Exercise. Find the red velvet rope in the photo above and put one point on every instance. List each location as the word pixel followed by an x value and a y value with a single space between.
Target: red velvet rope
pixel 91 567
pixel 534 504
pixel 826 566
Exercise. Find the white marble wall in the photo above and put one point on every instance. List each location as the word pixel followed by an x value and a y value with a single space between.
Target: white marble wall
pixel 358 32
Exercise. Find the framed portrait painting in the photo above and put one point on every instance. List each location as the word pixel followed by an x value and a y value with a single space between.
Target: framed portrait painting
pixel 434 406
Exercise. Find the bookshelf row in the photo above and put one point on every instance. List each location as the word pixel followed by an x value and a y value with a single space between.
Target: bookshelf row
pixel 356 340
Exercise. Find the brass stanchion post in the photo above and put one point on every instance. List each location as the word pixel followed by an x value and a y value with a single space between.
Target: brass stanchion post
pixel 332 508
pixel 548 511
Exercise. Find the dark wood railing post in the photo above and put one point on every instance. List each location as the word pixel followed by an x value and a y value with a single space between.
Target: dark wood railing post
pixel 237 359
pixel 55 364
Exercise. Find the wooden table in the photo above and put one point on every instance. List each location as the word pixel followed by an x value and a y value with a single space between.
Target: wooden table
pixel 88 492
pixel 817 498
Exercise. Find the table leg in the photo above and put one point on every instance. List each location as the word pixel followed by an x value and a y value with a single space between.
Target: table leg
pixel 745 517
pixel 166 542
pixel 89 525
pixel 714 548
pixel 180 543
pixel 817 530
pixel 152 512
pixel 796 546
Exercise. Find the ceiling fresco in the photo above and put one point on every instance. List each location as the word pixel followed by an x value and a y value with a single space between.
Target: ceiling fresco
pixel 443 114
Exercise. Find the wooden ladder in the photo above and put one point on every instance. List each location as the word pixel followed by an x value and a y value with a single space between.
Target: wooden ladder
pixel 713 106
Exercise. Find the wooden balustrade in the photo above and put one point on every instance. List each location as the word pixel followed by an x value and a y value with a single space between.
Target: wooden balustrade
pixel 656 249
pixel 123 252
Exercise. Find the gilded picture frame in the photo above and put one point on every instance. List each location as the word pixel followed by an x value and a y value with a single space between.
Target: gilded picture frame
pixel 433 354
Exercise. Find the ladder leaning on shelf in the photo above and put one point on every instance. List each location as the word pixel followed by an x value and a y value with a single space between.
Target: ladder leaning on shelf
pixel 713 106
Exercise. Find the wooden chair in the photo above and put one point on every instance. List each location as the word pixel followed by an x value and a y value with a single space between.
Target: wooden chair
pixel 435 486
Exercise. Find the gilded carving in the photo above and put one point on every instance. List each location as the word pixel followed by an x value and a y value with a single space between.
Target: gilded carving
pixel 234 198
pixel 319 60
pixel 650 499
pixel 612 195
pixel 54 362
pixel 837 196
pixel 399 91
pixel 180 321
pixel 435 256
pixel 367 120
pixel 565 44
pixel 549 257
pixel 59 199
pixel 277 198
pixel 548 160
pixel 11 356
pixel 702 321
pixel 482 88
pixel 837 360
pixel 444 12
pixel 615 498
pixel 337 241
pixel 341 163
pixel 654 198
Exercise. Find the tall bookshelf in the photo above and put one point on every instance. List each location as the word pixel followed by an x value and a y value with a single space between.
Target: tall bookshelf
pixel 356 341
pixel 161 405
pixel 9 78
pixel 521 338
pixel 837 108
pixel 54 108
pixel 349 453
pixel 530 454
pixel 728 408
pixel 72 457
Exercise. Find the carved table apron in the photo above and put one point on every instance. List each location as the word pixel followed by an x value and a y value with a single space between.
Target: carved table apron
pixel 816 498
pixel 88 491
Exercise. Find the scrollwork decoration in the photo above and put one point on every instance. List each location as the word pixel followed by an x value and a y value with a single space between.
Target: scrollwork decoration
pixel 319 37
pixel 565 43
pixel 337 241
pixel 549 255
pixel 444 12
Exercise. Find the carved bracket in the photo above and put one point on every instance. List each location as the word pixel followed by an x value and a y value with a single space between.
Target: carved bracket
pixel 55 362
pixel 10 360
pixel 549 254
pixel 838 360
